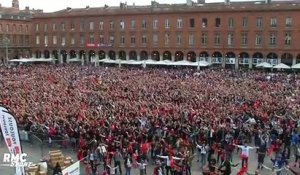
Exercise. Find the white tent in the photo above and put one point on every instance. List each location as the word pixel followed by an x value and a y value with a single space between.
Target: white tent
pixel 203 63
pixel 131 62
pixel 32 60
pixel 281 66
pixel 181 63
pixel 264 65
pixel 21 60
pixel 296 66
pixel 110 61
pixel 74 60
pixel 103 60
pixel 150 61
pixel 164 62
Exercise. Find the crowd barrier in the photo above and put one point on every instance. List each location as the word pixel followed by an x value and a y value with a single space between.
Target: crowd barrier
pixel 44 145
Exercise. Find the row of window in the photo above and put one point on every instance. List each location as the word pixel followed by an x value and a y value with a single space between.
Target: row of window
pixel 13 28
pixel 167 39
pixel 16 39
pixel 167 24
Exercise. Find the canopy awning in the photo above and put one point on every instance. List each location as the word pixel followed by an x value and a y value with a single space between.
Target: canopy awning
pixel 264 65
pixel 203 63
pixel 32 60
pixel 74 60
pixel 281 66
pixel 296 66
pixel 131 62
pixel 153 62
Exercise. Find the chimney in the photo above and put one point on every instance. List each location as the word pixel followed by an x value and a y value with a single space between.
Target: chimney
pixel 268 1
pixel 15 4
pixel 122 5
pixel 189 2
pixel 201 1
pixel 227 2
pixel 154 4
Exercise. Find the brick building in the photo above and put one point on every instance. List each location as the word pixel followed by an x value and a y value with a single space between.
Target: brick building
pixel 15 29
pixel 227 34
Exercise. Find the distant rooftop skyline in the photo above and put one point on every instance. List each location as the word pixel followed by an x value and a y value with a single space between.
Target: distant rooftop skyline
pixel 55 5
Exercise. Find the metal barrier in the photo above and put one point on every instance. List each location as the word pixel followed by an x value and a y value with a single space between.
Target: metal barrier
pixel 45 144
pixel 36 142
pixel 38 148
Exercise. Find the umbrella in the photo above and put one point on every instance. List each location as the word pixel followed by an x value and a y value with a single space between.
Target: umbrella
pixel 281 66
pixel 296 66
pixel 264 65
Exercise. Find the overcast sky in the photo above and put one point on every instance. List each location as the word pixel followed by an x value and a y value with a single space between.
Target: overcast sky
pixel 54 5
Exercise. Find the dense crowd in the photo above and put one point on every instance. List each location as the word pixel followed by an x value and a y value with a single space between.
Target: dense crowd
pixel 166 117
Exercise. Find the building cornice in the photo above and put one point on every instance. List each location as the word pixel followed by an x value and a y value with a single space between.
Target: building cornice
pixel 170 9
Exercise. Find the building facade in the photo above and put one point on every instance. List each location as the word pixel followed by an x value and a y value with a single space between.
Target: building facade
pixel 15 31
pixel 236 34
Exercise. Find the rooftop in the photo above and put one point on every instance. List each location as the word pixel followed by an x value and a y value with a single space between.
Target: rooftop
pixel 155 7
pixel 13 13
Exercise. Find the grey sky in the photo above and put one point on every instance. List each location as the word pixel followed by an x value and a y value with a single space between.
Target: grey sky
pixel 54 5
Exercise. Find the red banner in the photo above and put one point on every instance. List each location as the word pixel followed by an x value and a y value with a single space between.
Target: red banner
pixel 90 45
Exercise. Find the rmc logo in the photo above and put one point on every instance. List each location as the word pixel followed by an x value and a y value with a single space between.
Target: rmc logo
pixel 16 160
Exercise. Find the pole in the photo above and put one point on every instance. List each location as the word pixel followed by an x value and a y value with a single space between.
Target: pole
pixel 6 53
pixel 198 65
pixel 58 57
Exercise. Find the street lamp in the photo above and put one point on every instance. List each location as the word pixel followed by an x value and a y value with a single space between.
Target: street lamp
pixel 6 42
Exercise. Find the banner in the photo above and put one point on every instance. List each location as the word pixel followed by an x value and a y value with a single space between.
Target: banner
pixel 74 169
pixel 10 134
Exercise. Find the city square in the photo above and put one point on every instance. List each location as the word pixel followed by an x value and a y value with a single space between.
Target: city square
pixel 162 88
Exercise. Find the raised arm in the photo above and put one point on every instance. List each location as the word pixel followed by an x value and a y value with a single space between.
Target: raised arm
pixel 268 168
pixel 250 147
pixel 115 167
pixel 177 158
pixel 140 120
pixel 103 144
pixel 239 146
pixel 272 169
pixel 163 157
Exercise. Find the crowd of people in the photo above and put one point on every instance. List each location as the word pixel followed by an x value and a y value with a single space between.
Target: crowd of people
pixel 126 118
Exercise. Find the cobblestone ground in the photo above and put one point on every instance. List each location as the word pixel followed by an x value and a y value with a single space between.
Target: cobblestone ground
pixel 35 154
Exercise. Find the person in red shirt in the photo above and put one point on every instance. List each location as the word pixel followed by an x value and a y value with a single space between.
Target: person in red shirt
pixel 145 147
